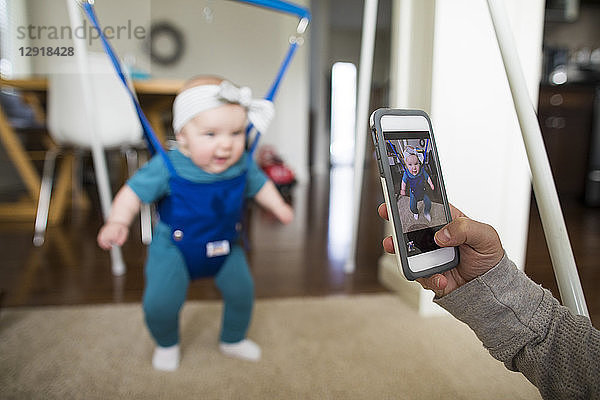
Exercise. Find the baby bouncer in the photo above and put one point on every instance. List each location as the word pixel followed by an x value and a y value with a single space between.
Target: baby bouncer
pixel 153 143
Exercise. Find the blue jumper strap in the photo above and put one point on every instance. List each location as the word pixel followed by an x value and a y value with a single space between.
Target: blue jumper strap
pixel 274 88
pixel 282 6
pixel 153 143
pixel 289 8
pixel 396 152
pixel 149 134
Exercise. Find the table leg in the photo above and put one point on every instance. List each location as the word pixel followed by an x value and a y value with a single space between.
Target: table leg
pixel 19 157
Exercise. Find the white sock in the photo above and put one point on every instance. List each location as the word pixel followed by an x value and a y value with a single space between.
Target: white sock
pixel 166 358
pixel 416 216
pixel 428 217
pixel 245 349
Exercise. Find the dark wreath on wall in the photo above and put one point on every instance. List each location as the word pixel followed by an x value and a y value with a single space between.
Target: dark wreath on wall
pixel 165 55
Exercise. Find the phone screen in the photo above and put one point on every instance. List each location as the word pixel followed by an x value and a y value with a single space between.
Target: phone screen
pixel 416 190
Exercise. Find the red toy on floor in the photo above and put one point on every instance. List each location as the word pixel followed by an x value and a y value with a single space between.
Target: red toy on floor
pixel 274 167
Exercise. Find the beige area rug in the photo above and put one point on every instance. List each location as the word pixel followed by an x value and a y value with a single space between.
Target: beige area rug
pixel 358 347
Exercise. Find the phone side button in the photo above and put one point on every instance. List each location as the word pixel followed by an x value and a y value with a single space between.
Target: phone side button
pixel 380 166
pixel 378 156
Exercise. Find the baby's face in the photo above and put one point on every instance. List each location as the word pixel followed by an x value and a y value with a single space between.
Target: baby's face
pixel 412 164
pixel 214 139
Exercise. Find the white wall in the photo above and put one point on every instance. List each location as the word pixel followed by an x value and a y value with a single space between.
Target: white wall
pixel 49 23
pixel 337 37
pixel 320 49
pixel 485 168
pixel 411 66
pixel 15 16
pixel 412 54
pixel 243 43
pixel 445 60
pixel 458 77
pixel 246 44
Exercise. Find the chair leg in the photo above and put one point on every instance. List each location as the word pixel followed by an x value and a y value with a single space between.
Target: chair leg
pixel 146 224
pixel 77 178
pixel 41 219
pixel 104 191
pixel 131 156
pixel 117 263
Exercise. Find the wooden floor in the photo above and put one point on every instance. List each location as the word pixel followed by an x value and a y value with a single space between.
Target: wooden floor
pixel 293 260
pixel 583 226
pixel 305 258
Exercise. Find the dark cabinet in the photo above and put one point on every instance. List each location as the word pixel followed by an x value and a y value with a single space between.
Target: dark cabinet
pixel 565 113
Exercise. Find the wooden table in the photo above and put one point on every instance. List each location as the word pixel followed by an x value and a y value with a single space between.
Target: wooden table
pixel 155 95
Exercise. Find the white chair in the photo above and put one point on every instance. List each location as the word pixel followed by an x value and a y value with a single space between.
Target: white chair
pixel 116 126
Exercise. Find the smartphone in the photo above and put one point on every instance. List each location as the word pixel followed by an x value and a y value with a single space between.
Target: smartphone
pixel 411 179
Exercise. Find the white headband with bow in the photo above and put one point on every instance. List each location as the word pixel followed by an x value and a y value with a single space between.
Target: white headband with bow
pixel 193 101
pixel 413 152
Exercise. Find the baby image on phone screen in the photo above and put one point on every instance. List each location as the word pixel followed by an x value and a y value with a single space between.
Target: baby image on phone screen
pixel 415 178
pixel 416 184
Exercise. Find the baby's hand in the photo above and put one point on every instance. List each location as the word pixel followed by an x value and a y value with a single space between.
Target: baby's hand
pixel 285 214
pixel 112 234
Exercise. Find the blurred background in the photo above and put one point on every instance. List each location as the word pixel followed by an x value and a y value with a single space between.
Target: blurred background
pixel 436 55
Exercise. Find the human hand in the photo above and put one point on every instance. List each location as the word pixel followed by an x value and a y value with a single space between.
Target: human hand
pixel 479 245
pixel 112 234
pixel 431 186
pixel 402 193
pixel 285 214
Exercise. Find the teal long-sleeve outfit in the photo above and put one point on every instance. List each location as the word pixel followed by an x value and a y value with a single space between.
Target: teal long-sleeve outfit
pixel 166 274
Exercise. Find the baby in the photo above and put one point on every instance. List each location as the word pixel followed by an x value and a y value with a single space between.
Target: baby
pixel 200 188
pixel 415 176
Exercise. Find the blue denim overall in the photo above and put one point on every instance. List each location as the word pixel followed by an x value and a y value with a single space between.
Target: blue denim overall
pixel 204 219
pixel 417 191
pixel 417 184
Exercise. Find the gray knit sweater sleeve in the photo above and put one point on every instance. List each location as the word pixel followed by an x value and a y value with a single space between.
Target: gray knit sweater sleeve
pixel 525 327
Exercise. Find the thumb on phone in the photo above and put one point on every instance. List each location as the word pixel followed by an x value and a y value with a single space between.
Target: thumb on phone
pixel 480 237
